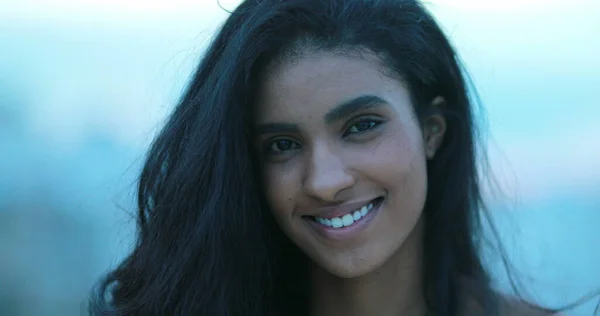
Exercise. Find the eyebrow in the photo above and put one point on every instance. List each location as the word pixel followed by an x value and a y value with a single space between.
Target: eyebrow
pixel 352 106
pixel 341 111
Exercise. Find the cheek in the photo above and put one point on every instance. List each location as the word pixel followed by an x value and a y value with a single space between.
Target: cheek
pixel 280 188
pixel 397 163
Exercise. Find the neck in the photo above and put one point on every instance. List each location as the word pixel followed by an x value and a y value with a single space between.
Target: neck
pixel 393 289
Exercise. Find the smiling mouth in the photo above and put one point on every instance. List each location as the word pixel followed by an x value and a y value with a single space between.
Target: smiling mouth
pixel 349 218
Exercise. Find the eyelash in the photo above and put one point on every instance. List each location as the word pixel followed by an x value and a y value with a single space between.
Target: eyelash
pixel 373 123
pixel 269 146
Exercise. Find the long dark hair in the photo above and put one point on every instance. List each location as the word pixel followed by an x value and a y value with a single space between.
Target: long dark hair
pixel 207 244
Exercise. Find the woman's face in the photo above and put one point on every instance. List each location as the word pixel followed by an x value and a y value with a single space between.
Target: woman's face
pixel 344 159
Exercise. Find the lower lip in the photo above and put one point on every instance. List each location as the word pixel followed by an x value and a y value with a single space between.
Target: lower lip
pixel 348 232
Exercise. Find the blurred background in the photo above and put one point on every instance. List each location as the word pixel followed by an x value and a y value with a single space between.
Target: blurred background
pixel 85 85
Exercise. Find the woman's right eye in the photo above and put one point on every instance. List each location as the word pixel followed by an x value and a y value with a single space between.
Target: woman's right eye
pixel 281 146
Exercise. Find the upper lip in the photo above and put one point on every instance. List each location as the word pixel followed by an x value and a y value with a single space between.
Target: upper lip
pixel 332 211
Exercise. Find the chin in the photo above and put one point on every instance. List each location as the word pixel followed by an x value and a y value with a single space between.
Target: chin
pixel 351 266
pixel 351 272
pixel 371 257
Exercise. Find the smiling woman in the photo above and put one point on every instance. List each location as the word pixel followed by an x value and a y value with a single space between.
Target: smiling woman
pixel 322 162
pixel 356 149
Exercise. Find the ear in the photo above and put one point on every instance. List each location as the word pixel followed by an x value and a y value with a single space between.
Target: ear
pixel 434 128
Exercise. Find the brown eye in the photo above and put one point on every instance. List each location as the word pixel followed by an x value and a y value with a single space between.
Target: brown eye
pixel 361 126
pixel 279 146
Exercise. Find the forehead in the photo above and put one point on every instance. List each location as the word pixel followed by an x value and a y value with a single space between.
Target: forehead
pixel 315 82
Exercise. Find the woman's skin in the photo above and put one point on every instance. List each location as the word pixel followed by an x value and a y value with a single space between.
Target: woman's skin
pixel 336 132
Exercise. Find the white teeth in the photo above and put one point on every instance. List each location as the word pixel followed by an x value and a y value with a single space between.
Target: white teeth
pixel 363 211
pixel 336 222
pixel 346 220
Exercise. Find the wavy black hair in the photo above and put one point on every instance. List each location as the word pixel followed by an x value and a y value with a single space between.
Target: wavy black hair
pixel 207 243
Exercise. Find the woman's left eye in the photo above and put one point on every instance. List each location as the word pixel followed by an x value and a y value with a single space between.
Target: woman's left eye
pixel 362 126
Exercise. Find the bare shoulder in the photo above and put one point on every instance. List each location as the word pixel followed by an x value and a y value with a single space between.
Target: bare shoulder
pixel 474 296
pixel 513 306
pixel 506 306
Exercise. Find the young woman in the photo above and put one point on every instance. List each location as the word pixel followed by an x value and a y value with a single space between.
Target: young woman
pixel 323 161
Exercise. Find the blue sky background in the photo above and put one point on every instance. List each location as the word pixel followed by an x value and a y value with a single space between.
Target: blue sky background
pixel 84 85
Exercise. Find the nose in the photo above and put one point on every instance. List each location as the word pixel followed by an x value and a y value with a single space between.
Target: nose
pixel 326 174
